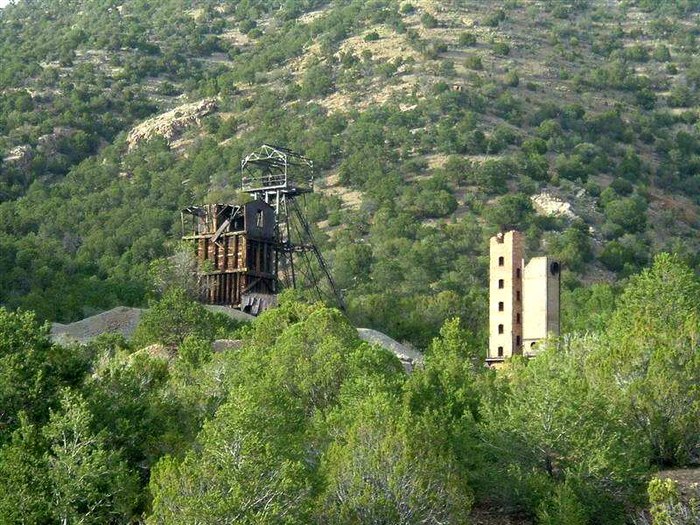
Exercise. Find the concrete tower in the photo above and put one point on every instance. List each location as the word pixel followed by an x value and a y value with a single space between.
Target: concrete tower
pixel 505 296
pixel 541 278
pixel 523 299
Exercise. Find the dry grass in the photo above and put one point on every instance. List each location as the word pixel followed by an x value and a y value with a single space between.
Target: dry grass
pixel 351 199
pixel 377 94
pixel 681 207
pixel 195 14
pixel 389 46
pixel 235 37
pixel 309 17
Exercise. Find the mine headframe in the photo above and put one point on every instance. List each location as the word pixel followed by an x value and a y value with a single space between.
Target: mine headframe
pixel 275 174
pixel 280 177
pixel 246 252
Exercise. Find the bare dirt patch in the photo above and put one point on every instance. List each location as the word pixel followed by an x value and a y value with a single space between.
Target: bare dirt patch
pixel 389 46
pixel 376 94
pixel 688 481
pixel 236 37
pixel 491 516
pixel 682 207
pixel 350 198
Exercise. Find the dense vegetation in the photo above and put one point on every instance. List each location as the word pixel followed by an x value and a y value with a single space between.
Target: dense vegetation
pixel 305 423
pixel 430 124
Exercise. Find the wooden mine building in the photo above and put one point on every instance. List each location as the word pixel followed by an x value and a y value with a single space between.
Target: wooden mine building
pixel 236 250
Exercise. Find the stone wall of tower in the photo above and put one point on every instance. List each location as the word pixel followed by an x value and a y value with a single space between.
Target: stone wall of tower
pixel 505 296
pixel 541 278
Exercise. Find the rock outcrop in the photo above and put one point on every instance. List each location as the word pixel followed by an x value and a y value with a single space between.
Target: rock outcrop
pixel 549 205
pixel 20 154
pixel 171 124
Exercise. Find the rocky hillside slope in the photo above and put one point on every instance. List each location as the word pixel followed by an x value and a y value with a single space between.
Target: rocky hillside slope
pixel 432 125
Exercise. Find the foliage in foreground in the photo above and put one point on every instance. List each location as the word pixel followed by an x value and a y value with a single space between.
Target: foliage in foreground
pixel 305 423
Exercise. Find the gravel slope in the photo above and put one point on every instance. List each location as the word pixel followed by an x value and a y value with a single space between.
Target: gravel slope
pixel 124 320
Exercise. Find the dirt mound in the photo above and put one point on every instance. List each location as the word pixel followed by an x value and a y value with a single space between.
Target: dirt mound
pixel 120 320
pixel 123 320
pixel 234 314
pixel 409 357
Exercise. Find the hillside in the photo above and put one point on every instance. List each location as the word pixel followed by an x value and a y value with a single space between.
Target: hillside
pixel 432 125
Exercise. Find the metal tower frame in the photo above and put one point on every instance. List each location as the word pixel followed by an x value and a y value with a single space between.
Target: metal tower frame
pixel 279 176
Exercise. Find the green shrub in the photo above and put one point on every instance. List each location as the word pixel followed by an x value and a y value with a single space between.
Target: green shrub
pixel 501 48
pixel 495 18
pixel 629 213
pixel 467 39
pixel 667 508
pixel 681 96
pixel 407 8
pixel 562 507
pixel 176 317
pixel 428 21
pixel 473 62
pixel 661 54
pixel 512 211
pixel 512 79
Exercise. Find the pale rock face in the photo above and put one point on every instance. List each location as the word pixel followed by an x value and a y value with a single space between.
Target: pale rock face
pixel 19 154
pixel 169 125
pixel 549 205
